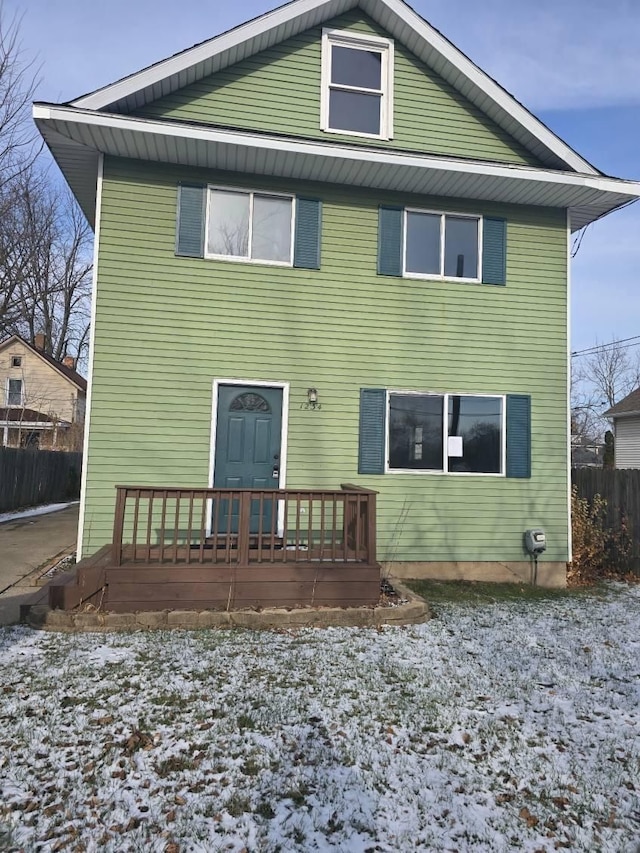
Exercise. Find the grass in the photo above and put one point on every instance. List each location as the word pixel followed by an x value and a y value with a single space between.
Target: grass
pixel 482 592
pixel 493 728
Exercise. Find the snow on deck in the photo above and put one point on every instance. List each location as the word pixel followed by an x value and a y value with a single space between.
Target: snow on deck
pixel 495 728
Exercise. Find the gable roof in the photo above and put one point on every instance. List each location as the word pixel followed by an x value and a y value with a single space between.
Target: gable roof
pixel 68 372
pixel 400 20
pixel 630 405
pixel 97 124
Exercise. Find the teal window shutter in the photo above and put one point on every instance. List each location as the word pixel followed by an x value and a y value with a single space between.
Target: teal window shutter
pixel 190 220
pixel 519 436
pixel 494 251
pixel 390 233
pixel 373 413
pixel 306 252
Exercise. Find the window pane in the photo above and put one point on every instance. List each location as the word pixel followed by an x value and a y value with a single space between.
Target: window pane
pixel 228 223
pixel 423 243
pixel 460 247
pixel 14 396
pixel 271 228
pixel 354 111
pixel 415 431
pixel 478 421
pixel 360 68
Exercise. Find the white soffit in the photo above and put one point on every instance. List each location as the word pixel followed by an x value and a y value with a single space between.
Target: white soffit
pixel 133 92
pixel 77 136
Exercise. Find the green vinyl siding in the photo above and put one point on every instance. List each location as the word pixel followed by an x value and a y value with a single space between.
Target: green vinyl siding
pixel 167 326
pixel 278 90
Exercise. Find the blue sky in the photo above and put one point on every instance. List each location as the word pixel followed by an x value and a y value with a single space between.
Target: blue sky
pixel 574 63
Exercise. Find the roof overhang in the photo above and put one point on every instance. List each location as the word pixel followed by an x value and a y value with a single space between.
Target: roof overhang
pixel 78 137
pixel 614 416
pixel 34 424
pixel 395 16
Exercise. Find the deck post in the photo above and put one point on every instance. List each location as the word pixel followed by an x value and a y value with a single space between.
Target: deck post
pixel 371 527
pixel 118 524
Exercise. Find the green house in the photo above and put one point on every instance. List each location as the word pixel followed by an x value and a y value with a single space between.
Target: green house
pixel 330 251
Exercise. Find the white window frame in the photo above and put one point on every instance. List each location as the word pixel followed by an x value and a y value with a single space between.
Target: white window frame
pixel 19 405
pixel 357 41
pixel 445 435
pixel 252 194
pixel 442 214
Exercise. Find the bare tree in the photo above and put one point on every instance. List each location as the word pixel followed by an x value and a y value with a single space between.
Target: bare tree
pixel 599 380
pixel 45 242
pixel 51 280
pixel 17 87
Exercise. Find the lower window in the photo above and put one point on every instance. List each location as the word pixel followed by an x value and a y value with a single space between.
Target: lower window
pixel 14 392
pixel 452 433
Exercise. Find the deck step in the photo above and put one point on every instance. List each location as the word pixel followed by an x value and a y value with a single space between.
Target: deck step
pixel 83 584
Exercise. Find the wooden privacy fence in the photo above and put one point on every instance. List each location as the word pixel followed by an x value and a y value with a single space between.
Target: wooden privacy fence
pixel 244 526
pixel 620 488
pixel 32 477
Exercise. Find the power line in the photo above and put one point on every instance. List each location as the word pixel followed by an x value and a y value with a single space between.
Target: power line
pixel 606 347
pixel 577 243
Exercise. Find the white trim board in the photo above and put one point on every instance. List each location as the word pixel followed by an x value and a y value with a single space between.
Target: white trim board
pixel 92 344
pixel 402 23
pixel 569 527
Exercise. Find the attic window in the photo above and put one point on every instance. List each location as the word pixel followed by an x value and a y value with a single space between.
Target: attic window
pixel 357 84
pixel 16 361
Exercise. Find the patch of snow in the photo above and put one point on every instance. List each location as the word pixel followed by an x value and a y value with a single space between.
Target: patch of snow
pixel 35 511
pixel 491 729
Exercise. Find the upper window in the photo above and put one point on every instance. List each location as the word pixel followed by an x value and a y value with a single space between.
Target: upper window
pixel 357 84
pixel 249 226
pixel 451 433
pixel 442 245
pixel 16 361
pixel 14 392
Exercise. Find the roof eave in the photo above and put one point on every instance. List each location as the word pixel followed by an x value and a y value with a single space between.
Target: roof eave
pixel 614 415
pixel 77 137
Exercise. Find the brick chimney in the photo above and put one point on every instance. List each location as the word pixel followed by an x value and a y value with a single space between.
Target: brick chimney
pixel 38 341
pixel 69 361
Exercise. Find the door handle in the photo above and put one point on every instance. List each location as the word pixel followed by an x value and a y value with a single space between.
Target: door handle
pixel 276 472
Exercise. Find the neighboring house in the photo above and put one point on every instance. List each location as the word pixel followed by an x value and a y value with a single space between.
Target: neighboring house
pixel 330 250
pixel 585 454
pixel 43 400
pixel 626 430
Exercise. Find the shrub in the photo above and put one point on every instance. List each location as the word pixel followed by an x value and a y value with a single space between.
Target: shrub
pixel 599 550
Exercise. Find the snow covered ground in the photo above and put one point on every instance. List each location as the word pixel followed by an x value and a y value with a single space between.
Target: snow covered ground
pixel 34 511
pixel 496 728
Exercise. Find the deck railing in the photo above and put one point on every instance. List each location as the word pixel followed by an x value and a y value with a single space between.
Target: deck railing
pixel 244 526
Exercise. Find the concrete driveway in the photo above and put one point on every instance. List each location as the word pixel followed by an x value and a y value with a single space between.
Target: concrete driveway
pixel 26 545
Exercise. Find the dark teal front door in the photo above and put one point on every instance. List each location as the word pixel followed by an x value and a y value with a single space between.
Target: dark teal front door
pixel 247 454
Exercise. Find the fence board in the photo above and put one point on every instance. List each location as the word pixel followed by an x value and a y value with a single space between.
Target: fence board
pixel 33 477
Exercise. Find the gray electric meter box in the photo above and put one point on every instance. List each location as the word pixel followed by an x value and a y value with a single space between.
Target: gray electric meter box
pixel 535 541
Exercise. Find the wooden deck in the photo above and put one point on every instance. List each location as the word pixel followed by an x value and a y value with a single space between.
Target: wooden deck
pixel 226 549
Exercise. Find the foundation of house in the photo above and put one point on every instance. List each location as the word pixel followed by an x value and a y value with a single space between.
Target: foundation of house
pixel 549 574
